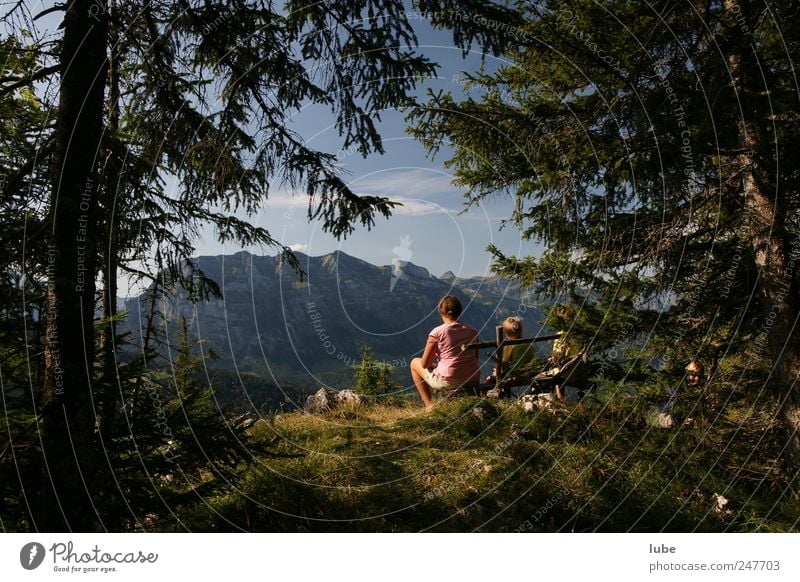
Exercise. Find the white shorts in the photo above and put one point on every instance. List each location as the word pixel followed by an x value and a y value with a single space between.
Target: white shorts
pixel 435 382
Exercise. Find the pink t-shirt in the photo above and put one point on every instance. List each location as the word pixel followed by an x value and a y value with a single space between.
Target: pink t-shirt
pixel 453 363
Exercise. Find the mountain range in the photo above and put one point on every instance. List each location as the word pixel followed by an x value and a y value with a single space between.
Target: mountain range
pixel 275 321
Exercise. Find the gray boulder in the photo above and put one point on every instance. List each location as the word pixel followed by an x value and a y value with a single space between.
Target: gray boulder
pixel 349 398
pixel 325 400
pixel 536 402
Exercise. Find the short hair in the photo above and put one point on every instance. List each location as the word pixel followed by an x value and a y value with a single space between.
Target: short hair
pixel 450 306
pixel 512 326
pixel 695 366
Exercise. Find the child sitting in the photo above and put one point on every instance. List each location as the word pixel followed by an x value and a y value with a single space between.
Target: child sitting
pixel 568 368
pixel 517 359
pixel 444 365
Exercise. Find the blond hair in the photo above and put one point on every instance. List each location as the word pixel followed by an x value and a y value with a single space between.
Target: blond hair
pixel 512 327
pixel 695 366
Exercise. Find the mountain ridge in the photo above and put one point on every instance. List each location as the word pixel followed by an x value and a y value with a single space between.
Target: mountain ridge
pixel 270 318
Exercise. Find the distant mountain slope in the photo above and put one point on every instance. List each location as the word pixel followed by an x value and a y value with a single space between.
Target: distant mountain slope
pixel 270 319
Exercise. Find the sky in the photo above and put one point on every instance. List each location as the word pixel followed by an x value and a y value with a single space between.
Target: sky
pixel 432 228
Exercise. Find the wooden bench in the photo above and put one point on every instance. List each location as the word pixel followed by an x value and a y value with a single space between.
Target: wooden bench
pixel 502 389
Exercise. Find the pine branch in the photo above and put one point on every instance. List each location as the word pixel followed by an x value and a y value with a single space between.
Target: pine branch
pixel 29 80
pixel 23 171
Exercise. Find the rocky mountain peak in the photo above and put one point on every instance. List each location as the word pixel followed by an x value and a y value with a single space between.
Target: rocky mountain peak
pixel 269 317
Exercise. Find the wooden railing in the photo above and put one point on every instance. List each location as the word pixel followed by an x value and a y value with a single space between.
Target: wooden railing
pixel 500 342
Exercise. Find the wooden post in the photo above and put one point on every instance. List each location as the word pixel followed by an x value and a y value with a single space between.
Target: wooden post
pixel 499 358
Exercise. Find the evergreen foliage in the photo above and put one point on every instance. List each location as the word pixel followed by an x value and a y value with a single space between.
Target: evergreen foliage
pixel 650 149
pixel 373 378
pixel 168 116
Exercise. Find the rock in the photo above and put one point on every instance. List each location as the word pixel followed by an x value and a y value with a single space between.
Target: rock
pixel 349 397
pixel 535 402
pixel 484 413
pixel 529 403
pixel 244 421
pixel 494 393
pixel 326 399
pixel 666 421
pixel 721 505
pixel 321 401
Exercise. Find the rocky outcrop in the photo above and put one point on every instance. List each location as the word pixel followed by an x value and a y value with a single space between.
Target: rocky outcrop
pixel 536 402
pixel 325 400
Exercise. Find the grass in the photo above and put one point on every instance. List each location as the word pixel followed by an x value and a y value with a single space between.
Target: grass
pixel 588 467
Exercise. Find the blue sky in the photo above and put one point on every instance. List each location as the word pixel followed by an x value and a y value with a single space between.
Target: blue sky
pixel 431 227
pixel 442 236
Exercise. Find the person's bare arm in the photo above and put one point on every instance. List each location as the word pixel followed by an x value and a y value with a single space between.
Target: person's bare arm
pixel 430 350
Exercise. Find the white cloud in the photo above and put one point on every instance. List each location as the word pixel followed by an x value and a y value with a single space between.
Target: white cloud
pixel 298 202
pixel 414 207
pixel 299 247
pixel 410 182
pixel 415 188
pixel 285 199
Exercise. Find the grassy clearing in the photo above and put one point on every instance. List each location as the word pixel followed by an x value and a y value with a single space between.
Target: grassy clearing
pixel 590 467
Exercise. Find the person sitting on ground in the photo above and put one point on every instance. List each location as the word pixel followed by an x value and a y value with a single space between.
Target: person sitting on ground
pixel 682 400
pixel 565 349
pixel 444 365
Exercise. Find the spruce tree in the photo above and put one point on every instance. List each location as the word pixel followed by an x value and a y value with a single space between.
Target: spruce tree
pixel 650 147
pixel 198 93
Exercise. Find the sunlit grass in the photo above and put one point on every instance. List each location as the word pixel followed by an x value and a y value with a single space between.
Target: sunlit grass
pixel 594 466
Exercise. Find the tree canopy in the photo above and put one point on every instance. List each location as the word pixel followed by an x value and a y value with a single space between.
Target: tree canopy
pixel 650 147
pixel 131 125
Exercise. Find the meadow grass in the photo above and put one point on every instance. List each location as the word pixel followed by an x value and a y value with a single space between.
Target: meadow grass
pixel 595 466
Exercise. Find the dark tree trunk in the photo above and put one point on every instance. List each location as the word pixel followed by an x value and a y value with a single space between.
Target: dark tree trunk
pixel 110 190
pixel 776 257
pixel 71 452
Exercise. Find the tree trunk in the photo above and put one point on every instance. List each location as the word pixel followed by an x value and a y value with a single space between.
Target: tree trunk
pixel 776 257
pixel 71 453
pixel 109 399
pixel 110 190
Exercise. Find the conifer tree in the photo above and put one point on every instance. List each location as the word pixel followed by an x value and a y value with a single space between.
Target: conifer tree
pixel 201 94
pixel 650 147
